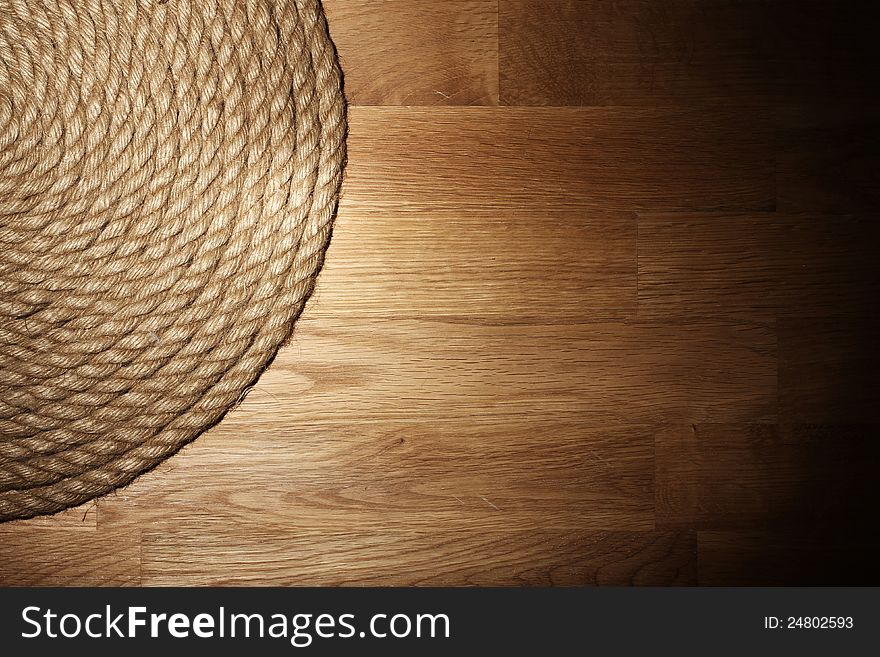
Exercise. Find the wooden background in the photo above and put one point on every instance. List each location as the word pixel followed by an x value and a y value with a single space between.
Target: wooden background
pixel 599 309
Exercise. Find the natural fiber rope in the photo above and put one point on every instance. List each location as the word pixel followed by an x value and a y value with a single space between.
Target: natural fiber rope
pixel 169 173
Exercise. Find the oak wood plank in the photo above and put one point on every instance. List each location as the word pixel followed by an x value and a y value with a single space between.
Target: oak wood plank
pixel 507 476
pixel 530 159
pixel 411 52
pixel 634 52
pixel 31 555
pixel 503 265
pixel 693 52
pixel 369 370
pixel 253 555
pixel 757 265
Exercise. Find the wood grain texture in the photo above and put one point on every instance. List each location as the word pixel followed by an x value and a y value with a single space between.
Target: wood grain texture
pixel 684 52
pixel 492 265
pixel 618 331
pixel 34 555
pixel 262 556
pixel 370 477
pixel 634 52
pixel 412 52
pixel 370 370
pixel 535 159
pixel 757 265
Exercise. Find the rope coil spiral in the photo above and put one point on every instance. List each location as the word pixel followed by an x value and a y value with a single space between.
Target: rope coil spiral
pixel 169 175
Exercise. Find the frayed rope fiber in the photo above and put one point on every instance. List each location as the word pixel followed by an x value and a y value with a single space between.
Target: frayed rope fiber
pixel 169 175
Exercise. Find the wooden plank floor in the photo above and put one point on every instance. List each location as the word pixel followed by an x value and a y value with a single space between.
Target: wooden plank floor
pixel 599 309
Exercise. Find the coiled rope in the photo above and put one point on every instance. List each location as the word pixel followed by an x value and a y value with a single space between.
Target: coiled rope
pixel 169 174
